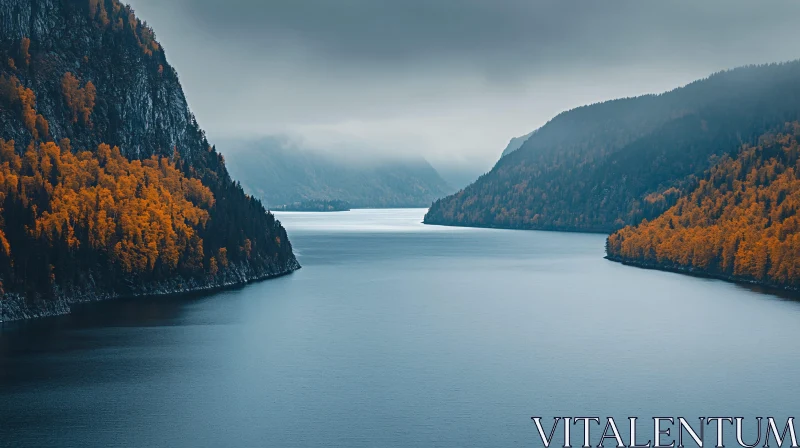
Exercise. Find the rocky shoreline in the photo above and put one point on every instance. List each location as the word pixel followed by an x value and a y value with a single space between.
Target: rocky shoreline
pixel 16 307
pixel 694 272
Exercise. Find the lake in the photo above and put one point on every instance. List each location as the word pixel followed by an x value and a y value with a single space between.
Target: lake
pixel 396 334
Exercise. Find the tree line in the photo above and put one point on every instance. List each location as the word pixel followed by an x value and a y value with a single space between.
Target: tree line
pixel 740 221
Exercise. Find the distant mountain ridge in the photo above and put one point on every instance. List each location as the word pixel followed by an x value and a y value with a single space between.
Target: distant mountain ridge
pixel 280 173
pixel 603 166
pixel 515 144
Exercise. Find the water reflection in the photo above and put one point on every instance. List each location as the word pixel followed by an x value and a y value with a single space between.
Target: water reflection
pixel 397 334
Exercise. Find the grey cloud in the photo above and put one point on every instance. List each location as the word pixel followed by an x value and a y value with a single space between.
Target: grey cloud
pixel 514 33
pixel 453 80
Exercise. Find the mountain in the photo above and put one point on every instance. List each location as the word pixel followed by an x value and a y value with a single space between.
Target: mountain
pixel 515 144
pixel 108 186
pixel 607 165
pixel 282 173
pixel 741 222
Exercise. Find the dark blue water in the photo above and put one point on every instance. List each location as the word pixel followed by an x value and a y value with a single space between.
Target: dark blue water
pixel 396 334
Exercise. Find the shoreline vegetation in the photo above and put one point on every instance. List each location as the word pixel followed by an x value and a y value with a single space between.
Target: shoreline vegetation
pixel 523 229
pixel 741 223
pixel 314 206
pixel 702 180
pixel 771 288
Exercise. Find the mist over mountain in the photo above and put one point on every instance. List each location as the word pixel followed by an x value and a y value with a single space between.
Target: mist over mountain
pixel 606 165
pixel 281 170
pixel 446 79
pixel 515 144
pixel 461 174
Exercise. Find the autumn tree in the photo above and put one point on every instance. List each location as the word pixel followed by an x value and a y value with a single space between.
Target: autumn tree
pixel 79 216
pixel 13 94
pixel 80 100
pixel 140 214
pixel 97 10
pixel 24 51
pixel 222 257
pixel 741 221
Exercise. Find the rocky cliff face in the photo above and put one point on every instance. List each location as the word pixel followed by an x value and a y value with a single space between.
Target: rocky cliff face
pixel 139 106
pixel 140 103
pixel 16 306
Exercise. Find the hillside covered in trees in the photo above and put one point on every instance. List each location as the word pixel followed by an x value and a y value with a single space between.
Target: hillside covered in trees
pixel 108 186
pixel 741 222
pixel 604 166
pixel 282 173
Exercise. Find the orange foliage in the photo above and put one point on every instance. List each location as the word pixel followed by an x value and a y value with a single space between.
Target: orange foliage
pixel 24 50
pixel 42 127
pixel 222 257
pixel 103 17
pixel 741 221
pixel 147 39
pixel 80 100
pixel 10 164
pixel 97 9
pixel 247 248
pixel 145 36
pixel 142 214
pixel 14 94
pixel 212 267
pixel 117 15
pixel 663 197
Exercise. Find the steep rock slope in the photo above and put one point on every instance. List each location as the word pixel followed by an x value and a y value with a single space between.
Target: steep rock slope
pixel 601 167
pixel 109 186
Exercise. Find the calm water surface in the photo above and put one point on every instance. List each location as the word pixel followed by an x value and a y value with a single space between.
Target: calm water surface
pixel 396 334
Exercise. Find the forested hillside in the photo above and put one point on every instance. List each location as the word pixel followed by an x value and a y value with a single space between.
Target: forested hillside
pixel 108 186
pixel 740 222
pixel 604 166
pixel 280 173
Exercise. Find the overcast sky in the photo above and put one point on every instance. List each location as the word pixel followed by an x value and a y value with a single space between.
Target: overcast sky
pixel 452 80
